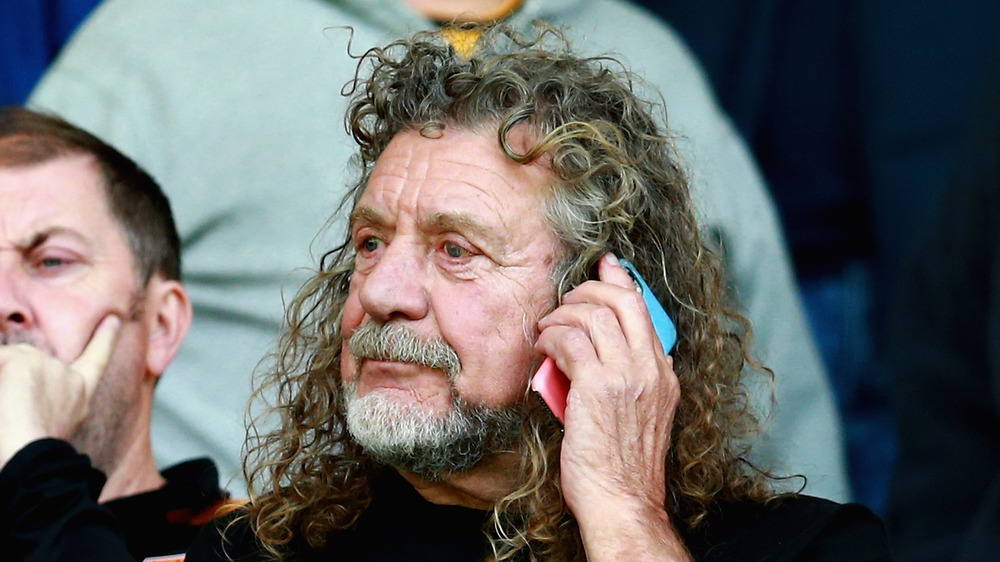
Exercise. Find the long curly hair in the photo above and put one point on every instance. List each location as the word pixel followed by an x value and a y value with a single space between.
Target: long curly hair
pixel 619 187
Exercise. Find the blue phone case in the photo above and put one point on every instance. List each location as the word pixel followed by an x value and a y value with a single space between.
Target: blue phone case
pixel 664 326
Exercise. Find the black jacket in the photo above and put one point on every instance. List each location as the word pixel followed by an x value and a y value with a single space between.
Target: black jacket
pixel 49 510
pixel 401 525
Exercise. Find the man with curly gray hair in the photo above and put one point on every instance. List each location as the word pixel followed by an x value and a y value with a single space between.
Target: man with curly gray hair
pixel 502 178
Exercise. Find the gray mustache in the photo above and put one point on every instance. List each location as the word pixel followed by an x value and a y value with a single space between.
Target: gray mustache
pixel 395 342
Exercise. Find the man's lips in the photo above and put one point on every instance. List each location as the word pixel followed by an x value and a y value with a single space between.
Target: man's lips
pixel 395 376
pixel 395 368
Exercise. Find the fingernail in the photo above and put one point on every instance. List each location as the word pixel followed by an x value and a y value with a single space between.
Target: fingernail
pixel 612 258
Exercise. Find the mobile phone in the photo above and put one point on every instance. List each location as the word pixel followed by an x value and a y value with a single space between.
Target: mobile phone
pixel 553 386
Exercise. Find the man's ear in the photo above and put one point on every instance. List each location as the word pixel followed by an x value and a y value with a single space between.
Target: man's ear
pixel 168 317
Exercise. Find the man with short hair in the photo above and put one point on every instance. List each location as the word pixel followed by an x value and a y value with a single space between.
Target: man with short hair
pixel 499 185
pixel 92 311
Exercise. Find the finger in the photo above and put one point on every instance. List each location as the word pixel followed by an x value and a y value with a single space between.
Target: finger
pixel 598 322
pixel 628 306
pixel 655 316
pixel 570 347
pixel 610 270
pixel 94 360
pixel 20 353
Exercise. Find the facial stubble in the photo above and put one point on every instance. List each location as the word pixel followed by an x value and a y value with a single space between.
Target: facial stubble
pixel 111 416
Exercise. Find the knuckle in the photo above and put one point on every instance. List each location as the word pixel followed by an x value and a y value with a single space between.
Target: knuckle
pixel 634 300
pixel 576 340
pixel 603 316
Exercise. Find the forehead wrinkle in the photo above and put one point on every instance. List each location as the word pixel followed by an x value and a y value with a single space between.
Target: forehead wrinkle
pixel 501 176
pixel 516 179
pixel 433 162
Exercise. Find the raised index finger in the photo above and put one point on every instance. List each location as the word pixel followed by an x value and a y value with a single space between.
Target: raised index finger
pixel 610 270
pixel 93 361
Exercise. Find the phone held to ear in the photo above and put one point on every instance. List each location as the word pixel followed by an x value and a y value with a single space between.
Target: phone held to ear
pixel 553 386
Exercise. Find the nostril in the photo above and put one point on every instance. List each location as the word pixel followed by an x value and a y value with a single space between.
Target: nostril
pixel 16 318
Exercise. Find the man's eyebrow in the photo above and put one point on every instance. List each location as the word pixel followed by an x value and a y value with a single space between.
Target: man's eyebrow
pixel 467 225
pixel 366 215
pixel 455 221
pixel 40 238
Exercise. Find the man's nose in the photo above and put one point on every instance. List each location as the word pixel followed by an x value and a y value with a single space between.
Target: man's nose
pixel 395 288
pixel 14 310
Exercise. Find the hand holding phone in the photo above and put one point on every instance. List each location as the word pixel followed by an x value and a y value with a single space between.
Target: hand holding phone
pixel 553 385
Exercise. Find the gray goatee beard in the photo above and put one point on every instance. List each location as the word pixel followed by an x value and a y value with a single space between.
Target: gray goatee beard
pixel 408 437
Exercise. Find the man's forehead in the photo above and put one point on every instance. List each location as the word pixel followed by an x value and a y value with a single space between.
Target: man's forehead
pixel 474 168
pixel 460 149
pixel 431 180
pixel 61 197
pixel 70 173
pixel 459 161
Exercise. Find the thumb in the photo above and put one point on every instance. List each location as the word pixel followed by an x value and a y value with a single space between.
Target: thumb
pixel 94 359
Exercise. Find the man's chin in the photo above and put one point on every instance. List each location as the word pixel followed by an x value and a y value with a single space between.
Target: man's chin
pixel 407 403
pixel 388 417
pixel 431 444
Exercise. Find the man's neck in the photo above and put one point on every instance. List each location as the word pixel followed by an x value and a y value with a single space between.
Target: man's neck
pixel 135 470
pixel 479 488
pixel 481 11
pixel 137 473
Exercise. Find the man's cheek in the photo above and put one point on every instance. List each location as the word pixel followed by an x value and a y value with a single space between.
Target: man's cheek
pixel 353 314
pixel 501 385
pixel 347 364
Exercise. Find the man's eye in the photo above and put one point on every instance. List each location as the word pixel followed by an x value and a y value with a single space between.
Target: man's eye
pixel 50 262
pixel 454 250
pixel 370 244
